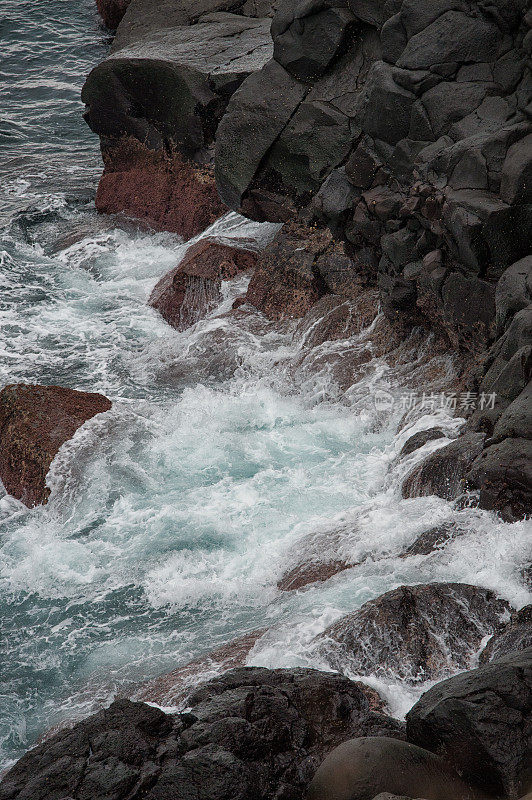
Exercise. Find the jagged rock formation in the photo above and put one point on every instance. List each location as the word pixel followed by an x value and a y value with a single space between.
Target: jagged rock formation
pixel 405 127
pixel 158 99
pixel 249 733
pixel 34 422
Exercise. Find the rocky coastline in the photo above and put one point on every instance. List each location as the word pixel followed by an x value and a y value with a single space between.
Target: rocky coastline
pixel 391 141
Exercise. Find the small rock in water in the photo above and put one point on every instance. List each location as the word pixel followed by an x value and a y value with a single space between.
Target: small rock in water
pixel 34 422
pixel 193 288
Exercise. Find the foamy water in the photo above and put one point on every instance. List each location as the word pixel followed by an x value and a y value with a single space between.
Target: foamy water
pixel 230 454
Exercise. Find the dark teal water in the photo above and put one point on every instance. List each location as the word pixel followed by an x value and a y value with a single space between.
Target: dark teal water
pixel 173 516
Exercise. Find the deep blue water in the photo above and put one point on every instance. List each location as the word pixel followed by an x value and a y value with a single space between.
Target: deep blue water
pixel 173 516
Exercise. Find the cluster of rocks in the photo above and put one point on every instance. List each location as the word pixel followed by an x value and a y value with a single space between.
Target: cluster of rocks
pixel 254 732
pixel 394 141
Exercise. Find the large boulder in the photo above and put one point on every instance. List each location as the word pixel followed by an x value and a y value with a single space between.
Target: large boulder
pixel 193 288
pixel 157 99
pixel 362 769
pixel 34 422
pixel 414 633
pixel 481 722
pixel 249 733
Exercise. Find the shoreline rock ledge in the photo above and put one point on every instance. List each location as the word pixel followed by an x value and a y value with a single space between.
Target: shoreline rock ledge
pixel 34 422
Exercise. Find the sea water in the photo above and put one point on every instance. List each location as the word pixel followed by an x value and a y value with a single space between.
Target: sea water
pixel 173 516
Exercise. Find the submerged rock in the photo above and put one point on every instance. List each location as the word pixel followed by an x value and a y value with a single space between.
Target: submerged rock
pixel 193 288
pixel 414 633
pixel 309 572
pixel 34 422
pixel 249 733
pixel 480 721
pixel 172 688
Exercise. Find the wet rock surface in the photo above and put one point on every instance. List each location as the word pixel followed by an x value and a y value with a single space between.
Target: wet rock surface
pixel 34 422
pixel 250 733
pixel 480 721
pixel 444 472
pixel 414 633
pixel 163 190
pixel 189 291
pixel 515 636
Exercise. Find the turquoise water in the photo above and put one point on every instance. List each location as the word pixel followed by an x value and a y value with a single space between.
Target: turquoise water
pixel 173 516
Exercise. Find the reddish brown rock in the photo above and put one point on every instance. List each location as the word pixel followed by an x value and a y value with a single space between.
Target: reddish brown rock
pixel 112 11
pixel 34 422
pixel 286 282
pixel 193 288
pixel 167 192
pixel 173 687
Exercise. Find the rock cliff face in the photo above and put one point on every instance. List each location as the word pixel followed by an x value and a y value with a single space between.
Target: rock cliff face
pixel 402 126
pixel 405 127
pixel 165 86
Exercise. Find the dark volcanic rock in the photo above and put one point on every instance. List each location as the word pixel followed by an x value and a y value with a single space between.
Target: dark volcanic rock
pixel 310 572
pixel 515 636
pixel 193 288
pixel 444 472
pixel 112 11
pixel 167 192
pixel 481 722
pixel 249 733
pixel 433 539
pixel 407 132
pixel 503 475
pixel 34 422
pixel 166 86
pixel 363 768
pixel 415 633
pixel 419 439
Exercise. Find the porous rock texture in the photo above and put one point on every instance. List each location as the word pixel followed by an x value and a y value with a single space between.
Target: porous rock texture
pixel 34 422
pixel 251 733
pixel 112 11
pixel 414 633
pixel 405 128
pixel 189 291
pixel 481 722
